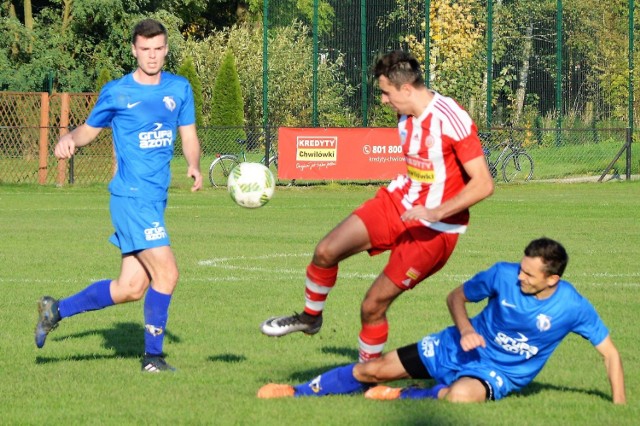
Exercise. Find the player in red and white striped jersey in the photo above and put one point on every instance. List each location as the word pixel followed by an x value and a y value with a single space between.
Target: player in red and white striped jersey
pixel 417 217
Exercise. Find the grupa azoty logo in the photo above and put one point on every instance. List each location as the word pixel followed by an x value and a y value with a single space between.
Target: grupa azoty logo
pixel 156 138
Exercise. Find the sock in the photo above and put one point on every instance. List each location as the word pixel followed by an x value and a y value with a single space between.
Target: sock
pixel 372 340
pixel 339 381
pixel 319 283
pixel 156 313
pixel 95 296
pixel 420 393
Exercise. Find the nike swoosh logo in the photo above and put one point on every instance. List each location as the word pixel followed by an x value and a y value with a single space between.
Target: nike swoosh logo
pixel 507 304
pixel 133 104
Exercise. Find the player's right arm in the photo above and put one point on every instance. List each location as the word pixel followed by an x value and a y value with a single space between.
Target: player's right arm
pixel 469 338
pixel 80 136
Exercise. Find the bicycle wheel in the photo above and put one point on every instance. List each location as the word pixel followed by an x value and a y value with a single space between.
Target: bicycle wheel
pixel 220 168
pixel 517 167
pixel 273 166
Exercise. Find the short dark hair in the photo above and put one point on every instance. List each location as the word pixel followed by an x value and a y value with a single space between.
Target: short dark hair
pixel 148 28
pixel 400 68
pixel 553 255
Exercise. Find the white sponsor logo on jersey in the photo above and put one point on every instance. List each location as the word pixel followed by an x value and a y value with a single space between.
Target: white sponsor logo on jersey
pixel 517 345
pixel 156 138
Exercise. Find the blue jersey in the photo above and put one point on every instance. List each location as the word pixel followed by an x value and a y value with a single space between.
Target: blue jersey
pixel 521 331
pixel 144 120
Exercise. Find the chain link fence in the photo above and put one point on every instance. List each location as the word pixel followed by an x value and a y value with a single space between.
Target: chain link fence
pixel 566 87
pixel 29 130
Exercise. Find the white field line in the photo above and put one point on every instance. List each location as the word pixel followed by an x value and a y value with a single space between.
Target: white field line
pixel 243 263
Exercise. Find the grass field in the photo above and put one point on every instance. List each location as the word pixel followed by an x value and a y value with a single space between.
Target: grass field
pixel 239 267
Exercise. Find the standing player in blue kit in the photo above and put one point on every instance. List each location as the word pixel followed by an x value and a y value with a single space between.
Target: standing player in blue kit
pixel 145 110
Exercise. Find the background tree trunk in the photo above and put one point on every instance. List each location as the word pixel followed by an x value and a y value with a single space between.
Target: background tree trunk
pixel 523 78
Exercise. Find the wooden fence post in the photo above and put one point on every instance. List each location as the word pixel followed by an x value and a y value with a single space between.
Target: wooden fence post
pixel 64 129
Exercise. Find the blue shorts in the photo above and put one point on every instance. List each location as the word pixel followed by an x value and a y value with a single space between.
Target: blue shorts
pixel 139 224
pixel 446 362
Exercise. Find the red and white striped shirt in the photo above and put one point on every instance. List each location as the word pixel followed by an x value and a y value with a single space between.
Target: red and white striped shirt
pixel 436 145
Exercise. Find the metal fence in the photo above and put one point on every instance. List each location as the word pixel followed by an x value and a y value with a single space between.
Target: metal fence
pixel 30 124
pixel 566 89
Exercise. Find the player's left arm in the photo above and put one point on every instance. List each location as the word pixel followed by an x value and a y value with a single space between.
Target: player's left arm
pixel 613 364
pixel 479 187
pixel 191 149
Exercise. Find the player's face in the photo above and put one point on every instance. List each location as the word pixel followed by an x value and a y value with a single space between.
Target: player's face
pixel 396 98
pixel 534 280
pixel 150 53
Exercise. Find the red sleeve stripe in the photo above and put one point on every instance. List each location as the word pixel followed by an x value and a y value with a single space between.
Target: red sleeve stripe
pixel 453 119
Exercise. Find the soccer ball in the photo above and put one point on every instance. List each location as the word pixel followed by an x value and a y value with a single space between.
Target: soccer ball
pixel 251 185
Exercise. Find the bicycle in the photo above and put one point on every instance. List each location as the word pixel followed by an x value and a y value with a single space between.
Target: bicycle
pixel 223 164
pixel 516 165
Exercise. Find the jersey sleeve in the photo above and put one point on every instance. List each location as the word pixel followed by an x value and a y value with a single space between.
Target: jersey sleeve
pixel 469 147
pixel 187 111
pixel 482 285
pixel 589 324
pixel 104 109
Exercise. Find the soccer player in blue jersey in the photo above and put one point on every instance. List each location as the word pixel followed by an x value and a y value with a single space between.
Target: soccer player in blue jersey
pixel 145 111
pixel 529 310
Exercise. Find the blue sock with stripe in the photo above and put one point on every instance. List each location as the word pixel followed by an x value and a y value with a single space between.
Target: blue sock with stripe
pixel 339 381
pixel 95 296
pixel 421 393
pixel 156 313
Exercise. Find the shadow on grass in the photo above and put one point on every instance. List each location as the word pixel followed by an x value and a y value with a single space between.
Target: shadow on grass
pixel 125 339
pixel 537 387
pixel 228 358
pixel 350 353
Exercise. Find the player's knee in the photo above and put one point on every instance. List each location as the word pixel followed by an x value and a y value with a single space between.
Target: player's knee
pixel 323 256
pixel 463 394
pixel 370 372
pixel 372 311
pixel 133 291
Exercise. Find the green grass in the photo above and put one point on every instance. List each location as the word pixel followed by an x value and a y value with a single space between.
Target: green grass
pixel 239 266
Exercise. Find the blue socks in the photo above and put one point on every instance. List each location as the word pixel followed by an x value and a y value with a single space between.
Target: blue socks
pixel 95 296
pixel 420 393
pixel 156 313
pixel 338 381
pixel 98 296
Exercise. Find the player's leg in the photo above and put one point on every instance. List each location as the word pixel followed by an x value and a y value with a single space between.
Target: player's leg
pixel 375 327
pixel 467 389
pixel 411 363
pixel 161 265
pixel 348 238
pixel 418 253
pixel 130 286
pixel 349 379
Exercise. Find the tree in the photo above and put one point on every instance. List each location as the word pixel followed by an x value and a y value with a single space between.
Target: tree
pixel 227 109
pixel 188 70
pixel 103 78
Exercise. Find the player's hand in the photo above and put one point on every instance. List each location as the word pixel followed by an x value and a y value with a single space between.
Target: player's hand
pixel 471 340
pixel 197 179
pixel 65 148
pixel 420 212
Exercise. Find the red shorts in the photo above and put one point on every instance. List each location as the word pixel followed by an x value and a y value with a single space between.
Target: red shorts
pixel 417 251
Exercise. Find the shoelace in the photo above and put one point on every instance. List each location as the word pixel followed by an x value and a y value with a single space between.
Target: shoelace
pixel 295 318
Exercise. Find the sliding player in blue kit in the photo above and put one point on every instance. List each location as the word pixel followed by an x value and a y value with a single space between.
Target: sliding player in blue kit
pixel 530 310
pixel 145 110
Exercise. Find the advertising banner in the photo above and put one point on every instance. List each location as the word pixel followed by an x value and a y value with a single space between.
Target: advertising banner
pixel 339 153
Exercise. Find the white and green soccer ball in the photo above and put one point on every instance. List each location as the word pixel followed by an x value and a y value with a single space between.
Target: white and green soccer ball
pixel 251 185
